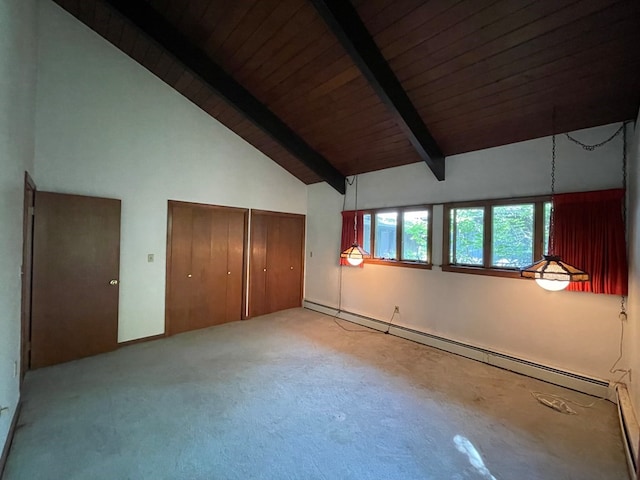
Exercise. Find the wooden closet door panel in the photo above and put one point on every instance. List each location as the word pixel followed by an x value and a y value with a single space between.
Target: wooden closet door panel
pixel 208 259
pixel 277 256
pixel 293 228
pixel 258 265
pixel 180 277
pixel 217 289
pixel 205 271
pixel 236 221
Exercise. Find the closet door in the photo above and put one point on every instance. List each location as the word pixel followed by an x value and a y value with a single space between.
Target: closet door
pixel 205 267
pixel 208 268
pixel 258 265
pixel 277 251
pixel 276 268
pixel 293 276
pixel 179 277
pixel 237 227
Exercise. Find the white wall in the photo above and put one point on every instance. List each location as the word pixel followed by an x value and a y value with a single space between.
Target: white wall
pixel 573 331
pixel 17 103
pixel 632 336
pixel 105 126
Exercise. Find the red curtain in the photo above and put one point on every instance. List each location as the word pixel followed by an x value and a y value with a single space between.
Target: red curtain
pixel 589 233
pixel 348 234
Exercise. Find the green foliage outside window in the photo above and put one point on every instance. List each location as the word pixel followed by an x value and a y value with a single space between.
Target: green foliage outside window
pixel 466 236
pixel 512 236
pixel 511 240
pixel 414 235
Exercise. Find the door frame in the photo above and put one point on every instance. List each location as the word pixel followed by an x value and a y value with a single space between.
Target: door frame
pixel 167 290
pixel 26 276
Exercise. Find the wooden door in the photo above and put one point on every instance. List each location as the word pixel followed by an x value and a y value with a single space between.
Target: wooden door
pixel 27 273
pixel 179 283
pixel 236 244
pixel 205 280
pixel 76 259
pixel 277 253
pixel 258 265
pixel 294 275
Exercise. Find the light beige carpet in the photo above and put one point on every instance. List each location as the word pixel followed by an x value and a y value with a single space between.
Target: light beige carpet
pixel 293 396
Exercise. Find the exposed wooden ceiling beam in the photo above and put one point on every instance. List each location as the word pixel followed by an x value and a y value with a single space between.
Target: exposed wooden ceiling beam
pixel 157 28
pixel 343 19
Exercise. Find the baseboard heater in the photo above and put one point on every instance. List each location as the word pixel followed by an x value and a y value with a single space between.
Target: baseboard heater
pixel 629 429
pixel 580 383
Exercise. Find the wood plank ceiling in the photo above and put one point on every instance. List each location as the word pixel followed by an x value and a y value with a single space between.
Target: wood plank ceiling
pixel 479 73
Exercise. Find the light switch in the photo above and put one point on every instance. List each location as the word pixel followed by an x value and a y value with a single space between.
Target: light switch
pixel 150 258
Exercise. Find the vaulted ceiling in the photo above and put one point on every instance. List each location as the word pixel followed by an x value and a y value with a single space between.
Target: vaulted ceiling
pixel 330 88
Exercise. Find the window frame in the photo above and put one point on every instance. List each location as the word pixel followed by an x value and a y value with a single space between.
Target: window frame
pixel 487 268
pixel 399 230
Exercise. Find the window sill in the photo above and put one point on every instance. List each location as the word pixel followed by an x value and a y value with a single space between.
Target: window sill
pixel 492 272
pixel 397 263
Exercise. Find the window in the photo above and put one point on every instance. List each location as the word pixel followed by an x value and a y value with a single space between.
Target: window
pixel 512 236
pixel 467 232
pixel 495 237
pixel 398 236
pixel 386 229
pixel 415 233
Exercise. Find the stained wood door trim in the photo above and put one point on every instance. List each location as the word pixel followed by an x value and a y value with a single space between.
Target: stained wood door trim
pixel 278 214
pixel 178 203
pixel 206 205
pixel 27 273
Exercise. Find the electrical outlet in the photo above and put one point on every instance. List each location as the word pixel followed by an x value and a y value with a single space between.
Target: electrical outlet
pixel 150 258
pixel 396 309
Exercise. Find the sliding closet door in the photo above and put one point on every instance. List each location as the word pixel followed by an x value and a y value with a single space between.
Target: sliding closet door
pixel 179 283
pixel 205 267
pixel 237 227
pixel 277 253
pixel 293 275
pixel 258 265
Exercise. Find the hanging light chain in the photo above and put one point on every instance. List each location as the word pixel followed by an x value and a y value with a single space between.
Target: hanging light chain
pixel 355 217
pixel 597 145
pixel 553 165
pixel 624 175
pixel 553 191
pixel 623 310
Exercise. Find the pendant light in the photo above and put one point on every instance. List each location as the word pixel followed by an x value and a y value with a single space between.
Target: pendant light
pixel 355 254
pixel 551 273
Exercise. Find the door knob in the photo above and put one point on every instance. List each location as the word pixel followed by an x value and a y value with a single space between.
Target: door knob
pixel 291 268
pixel 228 273
pixel 189 276
pixel 264 270
pixel 113 282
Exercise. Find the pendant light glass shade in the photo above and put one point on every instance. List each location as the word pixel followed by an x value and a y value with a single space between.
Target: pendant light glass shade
pixel 354 255
pixel 551 273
